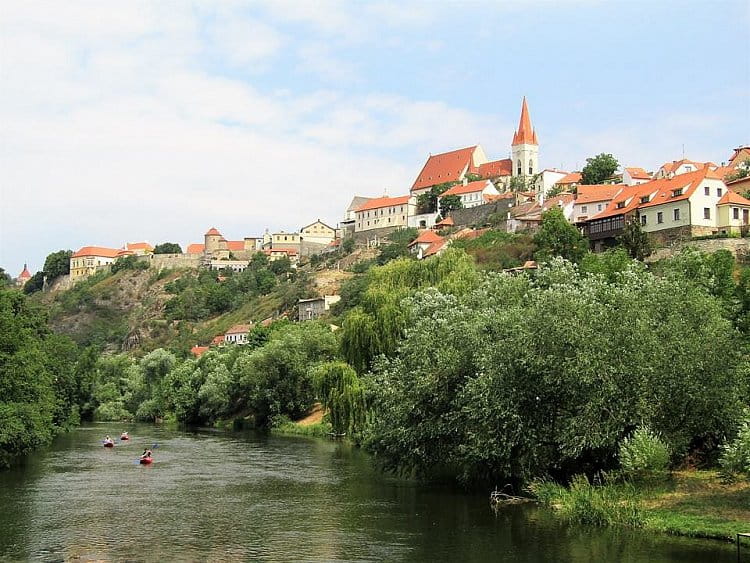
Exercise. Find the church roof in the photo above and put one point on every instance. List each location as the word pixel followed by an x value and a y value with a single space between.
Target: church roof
pixel 444 167
pixel 24 275
pixel 496 168
pixel 525 134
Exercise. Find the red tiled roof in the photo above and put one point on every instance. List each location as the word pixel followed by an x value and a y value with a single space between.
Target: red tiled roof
pixel 378 202
pixel 525 134
pixel 597 192
pixel 235 245
pixel 496 168
pixel 555 201
pixel 139 246
pixel 195 248
pixel 444 167
pixel 638 173
pixel 124 252
pixel 426 237
pixel 213 231
pixel 198 351
pixel 434 248
pixel 218 339
pixel 738 151
pixel 96 251
pixel 24 275
pixel 724 171
pixel 469 234
pixel 572 178
pixel 669 167
pixel 239 329
pixel 733 198
pixel 469 188
pixel 447 222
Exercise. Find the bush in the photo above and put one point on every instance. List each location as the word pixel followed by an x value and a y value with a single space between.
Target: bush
pixel 111 411
pixel 735 456
pixel 642 453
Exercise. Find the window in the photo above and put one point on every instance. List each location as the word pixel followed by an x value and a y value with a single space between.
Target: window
pixel 706 212
pixel 718 192
pixel 676 214
pixel 706 190
pixel 644 199
pixel 735 213
pixel 643 219
pixel 584 209
pixel 620 204
pixel 598 206
pixel 676 192
pixel 531 167
pixel 519 168
pixel 688 168
pixel 659 217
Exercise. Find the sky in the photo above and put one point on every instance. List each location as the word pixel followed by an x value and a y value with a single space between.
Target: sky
pixel 130 121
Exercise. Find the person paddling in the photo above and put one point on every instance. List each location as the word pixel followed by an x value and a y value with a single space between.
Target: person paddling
pixel 124 436
pixel 146 453
pixel 108 441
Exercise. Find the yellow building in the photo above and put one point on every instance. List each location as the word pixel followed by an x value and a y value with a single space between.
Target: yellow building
pixel 85 262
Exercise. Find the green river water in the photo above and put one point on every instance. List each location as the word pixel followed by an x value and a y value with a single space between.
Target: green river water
pixel 215 496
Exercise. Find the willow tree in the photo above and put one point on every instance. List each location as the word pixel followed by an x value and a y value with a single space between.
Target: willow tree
pixel 340 391
pixel 359 341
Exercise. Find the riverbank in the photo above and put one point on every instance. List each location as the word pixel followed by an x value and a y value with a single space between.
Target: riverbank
pixel 687 503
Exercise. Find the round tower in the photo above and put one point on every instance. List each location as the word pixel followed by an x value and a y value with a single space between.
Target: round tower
pixel 212 241
pixel 525 147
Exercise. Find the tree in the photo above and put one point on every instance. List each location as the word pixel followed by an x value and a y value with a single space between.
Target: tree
pixel 636 241
pixel 57 264
pixel 35 283
pixel 599 168
pixel 5 279
pixel 280 266
pixel 557 237
pixel 342 393
pixel 428 202
pixel 168 248
pixel 347 246
pixel 450 202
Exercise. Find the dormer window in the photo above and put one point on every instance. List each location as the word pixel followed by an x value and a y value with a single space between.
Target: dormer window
pixel 620 204
pixel 677 192
pixel 644 199
pixel 688 168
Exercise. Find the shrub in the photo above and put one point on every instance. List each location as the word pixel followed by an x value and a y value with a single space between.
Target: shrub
pixel 643 452
pixel 735 456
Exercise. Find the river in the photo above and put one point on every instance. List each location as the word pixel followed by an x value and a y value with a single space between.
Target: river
pixel 215 496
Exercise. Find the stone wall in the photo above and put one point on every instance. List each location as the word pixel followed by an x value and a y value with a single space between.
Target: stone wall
pixel 478 215
pixel 364 237
pixel 170 261
pixel 739 247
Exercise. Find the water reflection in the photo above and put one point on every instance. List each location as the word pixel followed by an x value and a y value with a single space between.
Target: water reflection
pixel 218 497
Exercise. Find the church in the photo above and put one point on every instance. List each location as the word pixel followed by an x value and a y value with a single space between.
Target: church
pixel 472 162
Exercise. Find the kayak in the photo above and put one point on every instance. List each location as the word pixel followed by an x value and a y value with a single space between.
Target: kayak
pixel 124 437
pixel 109 444
pixel 146 460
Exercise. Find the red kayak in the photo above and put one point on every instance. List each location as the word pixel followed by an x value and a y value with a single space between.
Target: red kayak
pixel 146 460
pixel 109 444
pixel 124 437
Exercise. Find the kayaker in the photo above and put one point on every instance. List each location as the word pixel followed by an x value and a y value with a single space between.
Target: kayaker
pixel 146 453
pixel 124 436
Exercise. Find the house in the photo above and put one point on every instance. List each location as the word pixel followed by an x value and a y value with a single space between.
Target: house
pixel 139 248
pixel 350 215
pixel 532 218
pixel 316 307
pixel 87 260
pixel 383 212
pixel 285 240
pixel 444 223
pixel 424 240
pixel 592 199
pixel 198 351
pixel 733 213
pixel 237 334
pixel 318 233
pixel 739 156
pixel 23 277
pixel 456 165
pixel 472 193
pixel 677 167
pixel 680 206
pixel 569 181
pixel 634 175
pixel 274 254
pixel 548 178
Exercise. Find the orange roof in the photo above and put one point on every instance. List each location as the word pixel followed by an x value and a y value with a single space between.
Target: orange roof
pixel 738 151
pixel 96 251
pixel 444 167
pixel 638 173
pixel 235 245
pixel 434 248
pixel 447 222
pixel 560 200
pixel 195 248
pixel 525 134
pixel 724 171
pixel 572 178
pixel 469 188
pixel 24 275
pixel 378 202
pixel 733 198
pixel 597 192
pixel 469 234
pixel 198 351
pixel 218 339
pixel 496 168
pixel 213 231
pixel 426 237
pixel 139 246
pixel 669 167
pixel 240 329
pixel 124 252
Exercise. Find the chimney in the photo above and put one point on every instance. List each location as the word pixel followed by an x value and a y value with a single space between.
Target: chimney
pixel 465 181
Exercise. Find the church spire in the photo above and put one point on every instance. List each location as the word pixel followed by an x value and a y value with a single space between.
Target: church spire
pixel 525 135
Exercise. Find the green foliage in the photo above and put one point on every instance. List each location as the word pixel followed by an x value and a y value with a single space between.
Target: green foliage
pixel 449 203
pixel 398 242
pixel 340 390
pixel 636 241
pixel 35 283
pixel 599 168
pixel 280 266
pixel 735 455
pixel 557 237
pixel 498 250
pixel 743 171
pixel 522 377
pixel 643 453
pixel 128 263
pixel 57 264
pixel 428 202
pixel 5 279
pixel 611 264
pixel 347 246
pixel 168 248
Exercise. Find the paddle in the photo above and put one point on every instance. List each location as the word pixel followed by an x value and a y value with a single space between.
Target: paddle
pixel 138 461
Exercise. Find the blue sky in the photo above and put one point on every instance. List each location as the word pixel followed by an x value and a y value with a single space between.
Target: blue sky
pixel 157 120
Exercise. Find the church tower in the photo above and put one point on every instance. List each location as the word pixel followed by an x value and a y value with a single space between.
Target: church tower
pixel 525 148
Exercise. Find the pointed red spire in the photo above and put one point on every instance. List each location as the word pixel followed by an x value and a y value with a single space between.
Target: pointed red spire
pixel 25 274
pixel 525 135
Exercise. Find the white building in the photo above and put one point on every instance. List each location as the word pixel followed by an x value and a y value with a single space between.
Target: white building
pixel 548 178
pixel 633 176
pixel 592 199
pixel 383 212
pixel 472 193
pixel 318 233
pixel 237 334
